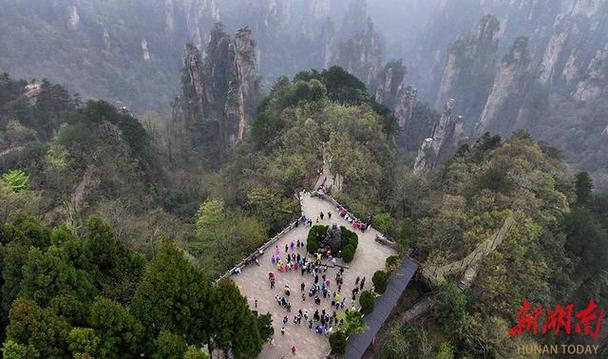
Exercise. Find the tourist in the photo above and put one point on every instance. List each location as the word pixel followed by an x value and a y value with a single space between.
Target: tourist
pixel 292 245
pixel 303 297
pixel 328 215
pixel 286 248
pixel 362 283
pixel 285 320
pixel 357 281
pixel 293 350
pixel 283 331
pixel 255 303
pixel 318 300
pixel 322 215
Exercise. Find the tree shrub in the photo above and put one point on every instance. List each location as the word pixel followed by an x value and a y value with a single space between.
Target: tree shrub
pixel 367 301
pixel 392 263
pixel 380 280
pixel 314 235
pixel 384 222
pixel 16 180
pixel 450 309
pixel 348 253
pixel 337 342
pixel 350 236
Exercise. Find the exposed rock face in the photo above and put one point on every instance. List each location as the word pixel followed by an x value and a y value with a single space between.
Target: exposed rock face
pixel 577 35
pixel 533 18
pixel 220 93
pixel 320 8
pixel 361 55
pixel 559 55
pixel 509 90
pixel 447 135
pixel 587 7
pixel 328 39
pixel 194 14
pixel 595 85
pixel 105 37
pixel 74 17
pixel 245 63
pixel 388 83
pixel 145 51
pixel 426 157
pixel 405 106
pixel 469 68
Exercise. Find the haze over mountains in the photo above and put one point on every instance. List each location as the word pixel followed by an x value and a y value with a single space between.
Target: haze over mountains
pixel 539 65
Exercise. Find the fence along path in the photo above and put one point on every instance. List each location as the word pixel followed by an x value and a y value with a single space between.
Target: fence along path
pixel 325 179
pixel 470 265
pixel 432 273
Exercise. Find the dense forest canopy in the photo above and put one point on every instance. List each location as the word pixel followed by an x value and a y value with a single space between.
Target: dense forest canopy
pixel 115 227
pixel 113 266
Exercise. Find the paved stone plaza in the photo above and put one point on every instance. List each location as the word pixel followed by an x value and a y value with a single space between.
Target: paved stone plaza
pixel 253 283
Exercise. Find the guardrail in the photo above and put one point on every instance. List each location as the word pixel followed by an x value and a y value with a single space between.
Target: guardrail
pixel 258 251
pixel 381 238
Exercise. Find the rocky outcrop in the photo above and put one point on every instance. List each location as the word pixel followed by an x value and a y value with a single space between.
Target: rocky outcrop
pixel 425 160
pixel 320 8
pixel 469 68
pixel 191 16
pixel 595 84
pixel 219 93
pixel 361 54
pixel 145 51
pixel 577 36
pixel 328 40
pixel 447 135
pixel 405 106
pixel 389 82
pixel 74 17
pixel 509 90
pixel 245 63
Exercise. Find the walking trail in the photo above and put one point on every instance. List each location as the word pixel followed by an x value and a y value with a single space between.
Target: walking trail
pixel 254 284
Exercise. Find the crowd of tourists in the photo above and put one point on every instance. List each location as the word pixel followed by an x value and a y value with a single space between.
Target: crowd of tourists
pixel 321 283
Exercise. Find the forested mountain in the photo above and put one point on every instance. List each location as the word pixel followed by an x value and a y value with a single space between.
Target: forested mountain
pixel 117 215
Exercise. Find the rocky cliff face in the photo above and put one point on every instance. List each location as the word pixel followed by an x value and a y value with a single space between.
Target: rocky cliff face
pixel 361 54
pixel 244 84
pixel 595 84
pixel 447 135
pixel 469 69
pixel 450 19
pixel 509 90
pixel 405 106
pixel 388 83
pixel 219 93
pixel 577 35
pixel 320 9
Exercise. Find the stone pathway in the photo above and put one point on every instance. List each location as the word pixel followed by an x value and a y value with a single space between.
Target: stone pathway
pixel 431 273
pixel 253 283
